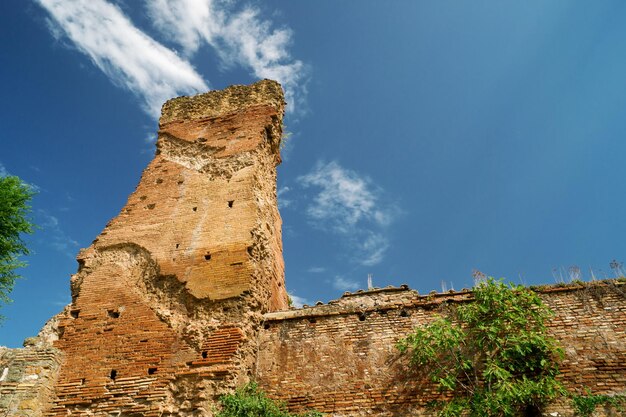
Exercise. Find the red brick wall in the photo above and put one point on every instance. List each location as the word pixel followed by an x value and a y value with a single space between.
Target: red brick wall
pixel 168 299
pixel 340 358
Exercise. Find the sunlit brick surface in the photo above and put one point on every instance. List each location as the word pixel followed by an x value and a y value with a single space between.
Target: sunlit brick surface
pixel 168 299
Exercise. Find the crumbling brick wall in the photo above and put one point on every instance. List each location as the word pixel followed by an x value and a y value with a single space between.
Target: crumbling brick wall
pixel 181 298
pixel 27 377
pixel 341 358
pixel 168 299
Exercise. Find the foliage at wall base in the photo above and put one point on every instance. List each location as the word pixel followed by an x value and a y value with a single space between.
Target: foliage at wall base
pixel 585 405
pixel 251 401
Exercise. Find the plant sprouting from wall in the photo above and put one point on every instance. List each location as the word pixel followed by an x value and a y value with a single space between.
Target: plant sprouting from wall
pixel 490 357
pixel 585 405
pixel 251 401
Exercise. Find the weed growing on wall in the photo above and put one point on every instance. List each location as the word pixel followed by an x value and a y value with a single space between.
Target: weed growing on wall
pixel 585 405
pixel 251 401
pixel 491 357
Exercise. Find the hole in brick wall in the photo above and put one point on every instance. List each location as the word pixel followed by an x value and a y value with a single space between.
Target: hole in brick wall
pixel 194 208
pixel 312 320
pixel 531 411
pixel 266 326
pixel 151 206
pixel 75 313
pixel 236 264
pixel 177 245
pixel 230 203
pixel 113 314
pixel 249 249
pixel 361 316
pixel 143 197
pixel 180 182
pixel 382 312
pixel 159 181
pixel 61 331
pixel 143 341
pixel 113 374
pixel 404 313
pixel 82 381
pixel 207 256
pixel 205 354
pixel 152 371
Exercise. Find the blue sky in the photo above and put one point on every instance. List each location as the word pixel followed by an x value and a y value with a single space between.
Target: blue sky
pixel 428 139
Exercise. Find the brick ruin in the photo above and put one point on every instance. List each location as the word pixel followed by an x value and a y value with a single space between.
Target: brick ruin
pixel 182 297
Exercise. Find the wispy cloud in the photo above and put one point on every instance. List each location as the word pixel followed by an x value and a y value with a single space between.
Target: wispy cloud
pixel 3 171
pixel 344 199
pixel 343 284
pixel 62 300
pixel 316 270
pixel 298 302
pixel 372 247
pixel 283 201
pixel 239 37
pixel 349 205
pixel 55 236
pixel 129 57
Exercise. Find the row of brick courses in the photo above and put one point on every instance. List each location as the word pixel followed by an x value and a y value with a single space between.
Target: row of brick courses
pixel 341 358
pixel 168 299
pixel 26 379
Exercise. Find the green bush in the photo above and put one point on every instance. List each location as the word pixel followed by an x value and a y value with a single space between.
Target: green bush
pixel 585 405
pixel 492 355
pixel 251 401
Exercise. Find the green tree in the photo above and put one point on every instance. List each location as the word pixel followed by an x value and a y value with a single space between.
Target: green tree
pixel 490 357
pixel 15 198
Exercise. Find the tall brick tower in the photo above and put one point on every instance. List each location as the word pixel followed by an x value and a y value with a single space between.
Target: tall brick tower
pixel 168 300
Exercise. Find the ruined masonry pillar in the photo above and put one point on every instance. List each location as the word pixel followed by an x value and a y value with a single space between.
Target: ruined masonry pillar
pixel 169 298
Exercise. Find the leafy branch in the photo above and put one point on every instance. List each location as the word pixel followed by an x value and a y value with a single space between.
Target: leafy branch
pixel 492 356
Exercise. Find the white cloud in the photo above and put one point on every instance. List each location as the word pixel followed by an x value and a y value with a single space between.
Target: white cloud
pixel 316 270
pixel 62 300
pixel 344 199
pixel 283 202
pixel 129 57
pixel 239 38
pixel 373 248
pixel 298 302
pixel 348 205
pixel 3 171
pixel 55 236
pixel 342 284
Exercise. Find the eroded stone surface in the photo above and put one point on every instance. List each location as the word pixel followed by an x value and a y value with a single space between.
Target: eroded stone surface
pixel 168 299
pixel 27 377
